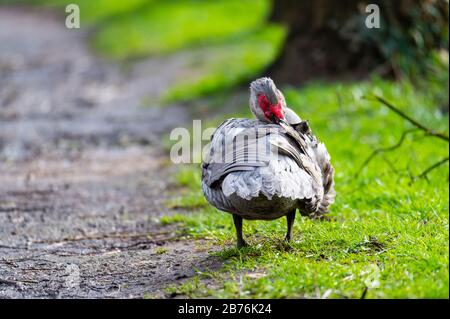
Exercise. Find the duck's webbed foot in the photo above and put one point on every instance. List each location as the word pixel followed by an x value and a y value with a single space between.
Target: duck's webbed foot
pixel 238 225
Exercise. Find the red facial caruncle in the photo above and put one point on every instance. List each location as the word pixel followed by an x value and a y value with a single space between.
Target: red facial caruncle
pixel 270 110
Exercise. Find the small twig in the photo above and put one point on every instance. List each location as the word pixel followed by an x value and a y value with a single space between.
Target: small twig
pixel 429 169
pixel 364 293
pixel 391 165
pixel 420 126
pixel 384 149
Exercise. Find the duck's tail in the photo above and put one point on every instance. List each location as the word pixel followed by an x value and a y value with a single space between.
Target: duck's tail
pixel 324 162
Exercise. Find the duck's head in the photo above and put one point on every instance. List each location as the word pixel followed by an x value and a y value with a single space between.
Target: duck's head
pixel 266 101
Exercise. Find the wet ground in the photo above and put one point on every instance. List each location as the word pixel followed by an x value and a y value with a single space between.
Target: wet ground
pixel 83 178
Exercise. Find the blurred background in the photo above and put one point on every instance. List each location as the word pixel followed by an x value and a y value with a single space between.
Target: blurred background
pixel 231 42
pixel 90 110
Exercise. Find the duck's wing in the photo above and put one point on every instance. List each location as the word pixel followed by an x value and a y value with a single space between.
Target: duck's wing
pixel 235 146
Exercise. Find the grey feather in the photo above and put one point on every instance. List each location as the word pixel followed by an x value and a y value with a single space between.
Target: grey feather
pixel 291 117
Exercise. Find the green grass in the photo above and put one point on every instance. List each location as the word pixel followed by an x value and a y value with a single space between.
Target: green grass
pixel 161 250
pixel 385 233
pixel 167 26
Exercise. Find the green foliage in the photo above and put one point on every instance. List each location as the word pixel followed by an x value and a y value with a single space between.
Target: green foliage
pixel 409 34
pixel 385 233
pixel 167 26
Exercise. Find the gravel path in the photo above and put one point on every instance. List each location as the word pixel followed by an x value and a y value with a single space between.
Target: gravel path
pixel 82 176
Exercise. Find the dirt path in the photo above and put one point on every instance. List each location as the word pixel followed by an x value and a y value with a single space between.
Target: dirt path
pixel 82 177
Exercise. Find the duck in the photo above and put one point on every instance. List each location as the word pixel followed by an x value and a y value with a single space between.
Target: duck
pixel 267 167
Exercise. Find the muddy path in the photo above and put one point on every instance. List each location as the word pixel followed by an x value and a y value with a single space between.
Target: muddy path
pixel 83 179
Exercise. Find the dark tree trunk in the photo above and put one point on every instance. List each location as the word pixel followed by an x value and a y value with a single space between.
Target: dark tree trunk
pixel 328 39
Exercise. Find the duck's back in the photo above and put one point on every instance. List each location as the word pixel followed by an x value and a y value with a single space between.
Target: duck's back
pixel 253 169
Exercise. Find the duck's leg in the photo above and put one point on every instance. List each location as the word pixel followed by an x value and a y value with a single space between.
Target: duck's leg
pixel 238 224
pixel 290 218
